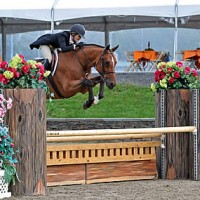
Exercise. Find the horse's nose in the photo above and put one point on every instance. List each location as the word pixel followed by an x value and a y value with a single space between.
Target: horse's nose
pixel 113 84
pixel 110 84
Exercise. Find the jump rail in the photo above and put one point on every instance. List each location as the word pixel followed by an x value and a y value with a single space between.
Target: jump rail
pixel 110 134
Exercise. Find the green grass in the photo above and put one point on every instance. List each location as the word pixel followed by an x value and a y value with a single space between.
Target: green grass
pixel 124 101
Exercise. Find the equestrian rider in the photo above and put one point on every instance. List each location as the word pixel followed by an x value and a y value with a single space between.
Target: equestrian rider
pixel 66 41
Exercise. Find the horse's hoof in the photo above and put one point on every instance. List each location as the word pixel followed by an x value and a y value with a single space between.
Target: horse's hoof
pixel 86 106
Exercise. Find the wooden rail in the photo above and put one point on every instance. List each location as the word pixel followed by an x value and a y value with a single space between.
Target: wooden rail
pixel 111 134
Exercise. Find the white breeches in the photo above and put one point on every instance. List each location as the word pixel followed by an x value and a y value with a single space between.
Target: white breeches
pixel 46 52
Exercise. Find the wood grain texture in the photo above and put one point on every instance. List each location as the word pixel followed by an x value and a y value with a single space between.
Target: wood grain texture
pixel 66 175
pixel 27 124
pixel 121 171
pixel 101 172
pixel 178 111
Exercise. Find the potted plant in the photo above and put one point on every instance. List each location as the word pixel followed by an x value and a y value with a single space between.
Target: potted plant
pixel 8 172
pixel 24 81
pixel 19 73
pixel 177 104
pixel 174 75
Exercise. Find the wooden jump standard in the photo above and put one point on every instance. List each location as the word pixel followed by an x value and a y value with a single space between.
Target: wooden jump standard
pixel 81 157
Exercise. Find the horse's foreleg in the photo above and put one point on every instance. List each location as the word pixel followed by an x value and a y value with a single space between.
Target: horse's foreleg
pixel 88 83
pixel 101 89
pixel 100 94
pixel 96 80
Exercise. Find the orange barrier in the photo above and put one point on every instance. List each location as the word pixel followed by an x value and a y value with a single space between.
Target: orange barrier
pixel 145 55
pixel 192 55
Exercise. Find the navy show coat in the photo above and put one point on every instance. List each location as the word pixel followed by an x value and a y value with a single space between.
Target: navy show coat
pixel 57 40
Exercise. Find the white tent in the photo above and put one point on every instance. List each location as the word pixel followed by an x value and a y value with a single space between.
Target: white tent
pixel 98 15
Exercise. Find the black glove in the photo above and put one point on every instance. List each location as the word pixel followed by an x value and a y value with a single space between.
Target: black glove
pixel 31 46
pixel 80 44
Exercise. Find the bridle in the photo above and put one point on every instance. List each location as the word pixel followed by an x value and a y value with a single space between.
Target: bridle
pixel 92 64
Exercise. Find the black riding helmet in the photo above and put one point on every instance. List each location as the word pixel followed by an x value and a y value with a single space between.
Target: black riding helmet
pixel 79 29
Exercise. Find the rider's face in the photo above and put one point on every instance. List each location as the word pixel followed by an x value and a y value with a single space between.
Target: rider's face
pixel 76 38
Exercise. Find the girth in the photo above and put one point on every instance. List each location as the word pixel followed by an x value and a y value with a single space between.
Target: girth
pixel 54 86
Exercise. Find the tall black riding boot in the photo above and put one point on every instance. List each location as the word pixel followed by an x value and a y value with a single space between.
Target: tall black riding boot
pixel 46 64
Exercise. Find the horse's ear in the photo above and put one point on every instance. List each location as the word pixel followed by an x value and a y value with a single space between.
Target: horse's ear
pixel 114 48
pixel 108 47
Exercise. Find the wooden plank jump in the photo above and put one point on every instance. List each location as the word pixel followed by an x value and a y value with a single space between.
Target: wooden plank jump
pixel 90 156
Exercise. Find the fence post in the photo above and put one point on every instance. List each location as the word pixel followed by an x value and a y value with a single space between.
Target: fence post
pixel 176 107
pixel 27 125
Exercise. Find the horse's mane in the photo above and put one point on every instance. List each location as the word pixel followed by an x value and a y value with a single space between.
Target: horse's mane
pixel 96 45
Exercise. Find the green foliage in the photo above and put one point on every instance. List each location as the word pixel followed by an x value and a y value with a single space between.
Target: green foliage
pixel 8 161
pixel 124 101
pixel 174 75
pixel 19 73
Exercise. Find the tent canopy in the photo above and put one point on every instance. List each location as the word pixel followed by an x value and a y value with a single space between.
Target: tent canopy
pixel 99 15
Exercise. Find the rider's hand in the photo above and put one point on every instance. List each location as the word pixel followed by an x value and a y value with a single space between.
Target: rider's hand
pixel 80 44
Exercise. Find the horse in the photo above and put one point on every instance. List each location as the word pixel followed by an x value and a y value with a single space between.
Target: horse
pixel 73 73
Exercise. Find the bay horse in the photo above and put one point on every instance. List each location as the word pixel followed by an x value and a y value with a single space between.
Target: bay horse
pixel 73 72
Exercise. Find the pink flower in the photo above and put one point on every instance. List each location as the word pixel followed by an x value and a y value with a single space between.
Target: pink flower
pixel 171 80
pixel 2 112
pixel 1 98
pixel 9 103
pixel 194 73
pixel 12 145
pixel 179 64
pixel 159 75
pixel 16 74
pixel 187 70
pixel 3 64
pixel 177 74
pixel 169 70
pixel 39 78
pixel 2 78
pixel 25 69
pixel 21 56
pixel 23 61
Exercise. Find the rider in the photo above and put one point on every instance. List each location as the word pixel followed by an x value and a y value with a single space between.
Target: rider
pixel 66 41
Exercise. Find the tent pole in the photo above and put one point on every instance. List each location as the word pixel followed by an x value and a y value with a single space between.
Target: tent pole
pixel 107 40
pixel 106 32
pixel 3 31
pixel 52 20
pixel 52 15
pixel 176 31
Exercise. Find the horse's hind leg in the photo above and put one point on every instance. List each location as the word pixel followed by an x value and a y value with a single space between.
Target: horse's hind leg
pixel 88 83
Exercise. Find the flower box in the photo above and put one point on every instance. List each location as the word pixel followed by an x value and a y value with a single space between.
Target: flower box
pixel 3 186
